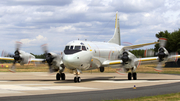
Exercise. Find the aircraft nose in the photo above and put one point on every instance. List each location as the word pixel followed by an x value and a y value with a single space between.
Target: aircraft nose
pixel 71 61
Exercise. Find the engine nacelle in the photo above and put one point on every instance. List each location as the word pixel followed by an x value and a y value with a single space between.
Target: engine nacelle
pixel 128 61
pixel 25 57
pixel 162 54
pixel 56 62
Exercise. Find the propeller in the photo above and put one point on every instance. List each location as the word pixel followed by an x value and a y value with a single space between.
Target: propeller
pixel 124 57
pixel 162 53
pixel 16 56
pixel 48 58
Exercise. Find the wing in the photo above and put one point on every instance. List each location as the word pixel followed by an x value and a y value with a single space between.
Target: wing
pixel 114 62
pixel 6 58
pixel 141 60
pixel 32 60
pixel 36 60
pixel 147 60
pixel 138 46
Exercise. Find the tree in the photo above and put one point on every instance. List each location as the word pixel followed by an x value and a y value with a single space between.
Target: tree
pixel 173 41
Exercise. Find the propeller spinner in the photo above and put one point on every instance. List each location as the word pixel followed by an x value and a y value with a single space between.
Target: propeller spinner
pixel 125 57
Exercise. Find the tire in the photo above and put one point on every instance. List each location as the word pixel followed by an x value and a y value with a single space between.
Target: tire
pixel 129 76
pixel 63 76
pixel 75 80
pixel 134 76
pixel 79 79
pixel 101 69
pixel 57 76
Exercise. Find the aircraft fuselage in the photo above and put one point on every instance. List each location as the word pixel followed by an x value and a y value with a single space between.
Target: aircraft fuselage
pixel 87 55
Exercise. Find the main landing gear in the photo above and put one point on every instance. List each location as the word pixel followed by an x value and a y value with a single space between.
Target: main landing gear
pixel 60 76
pixel 130 75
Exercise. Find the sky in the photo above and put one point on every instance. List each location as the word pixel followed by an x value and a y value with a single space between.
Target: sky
pixel 56 22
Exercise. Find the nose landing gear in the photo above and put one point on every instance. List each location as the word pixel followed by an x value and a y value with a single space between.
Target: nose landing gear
pixel 76 78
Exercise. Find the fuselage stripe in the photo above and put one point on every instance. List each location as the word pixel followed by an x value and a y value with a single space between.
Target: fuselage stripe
pixel 148 59
pixel 109 55
pixel 112 63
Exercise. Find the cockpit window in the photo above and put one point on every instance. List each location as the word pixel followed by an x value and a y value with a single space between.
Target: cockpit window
pixel 83 48
pixel 74 49
pixel 77 48
pixel 67 48
pixel 71 48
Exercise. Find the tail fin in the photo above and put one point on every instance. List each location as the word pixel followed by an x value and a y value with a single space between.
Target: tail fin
pixel 116 37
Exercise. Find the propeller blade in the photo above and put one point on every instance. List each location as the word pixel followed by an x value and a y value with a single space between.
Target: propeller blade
pixel 48 57
pixel 17 45
pixel 173 56
pixel 162 42
pixel 44 48
pixel 159 67
pixel 148 52
pixel 121 71
pixel 13 67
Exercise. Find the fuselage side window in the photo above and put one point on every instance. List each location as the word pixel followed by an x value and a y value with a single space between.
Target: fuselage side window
pixel 77 48
pixel 83 48
pixel 71 48
pixel 67 48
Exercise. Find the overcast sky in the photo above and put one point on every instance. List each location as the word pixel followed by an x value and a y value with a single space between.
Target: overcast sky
pixel 56 22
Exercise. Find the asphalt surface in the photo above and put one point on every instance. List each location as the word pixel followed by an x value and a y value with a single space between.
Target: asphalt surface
pixel 94 87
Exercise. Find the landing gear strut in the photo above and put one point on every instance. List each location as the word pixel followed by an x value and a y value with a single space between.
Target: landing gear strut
pixel 134 75
pixel 60 75
pixel 76 78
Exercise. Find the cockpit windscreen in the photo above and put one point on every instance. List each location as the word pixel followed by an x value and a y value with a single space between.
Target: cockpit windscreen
pixel 74 49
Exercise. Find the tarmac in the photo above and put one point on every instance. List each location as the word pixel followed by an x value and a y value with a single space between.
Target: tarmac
pixel 41 86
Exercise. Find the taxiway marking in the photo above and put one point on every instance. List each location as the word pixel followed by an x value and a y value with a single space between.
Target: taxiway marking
pixel 28 87
pixel 135 81
pixel 4 81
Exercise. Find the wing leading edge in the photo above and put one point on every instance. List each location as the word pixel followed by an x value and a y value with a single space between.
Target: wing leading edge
pixel 32 60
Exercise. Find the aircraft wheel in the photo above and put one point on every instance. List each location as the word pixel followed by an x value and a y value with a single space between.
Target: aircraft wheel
pixel 129 76
pixel 79 79
pixel 57 76
pixel 101 69
pixel 134 76
pixel 63 76
pixel 75 79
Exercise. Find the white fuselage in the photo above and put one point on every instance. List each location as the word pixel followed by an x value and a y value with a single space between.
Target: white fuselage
pixel 86 59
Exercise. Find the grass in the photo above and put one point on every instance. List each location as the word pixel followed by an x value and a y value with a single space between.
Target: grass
pixel 166 97
pixel 44 68
pixel 25 68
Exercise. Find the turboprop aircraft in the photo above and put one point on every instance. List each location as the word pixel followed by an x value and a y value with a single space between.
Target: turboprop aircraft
pixel 88 55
